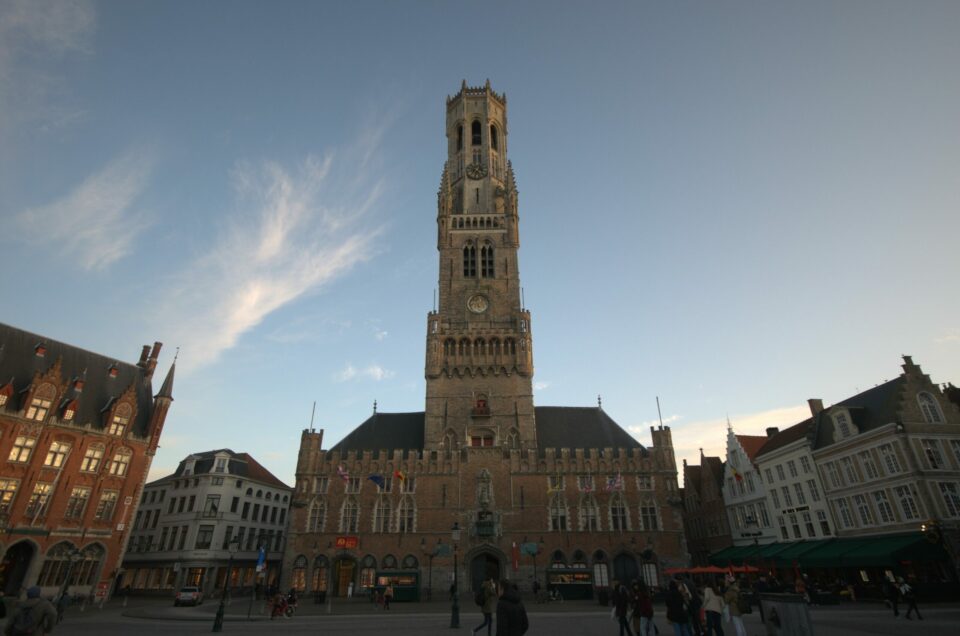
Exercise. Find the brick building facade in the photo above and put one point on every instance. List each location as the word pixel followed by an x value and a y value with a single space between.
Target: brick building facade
pixel 79 431
pixel 704 511
pixel 563 494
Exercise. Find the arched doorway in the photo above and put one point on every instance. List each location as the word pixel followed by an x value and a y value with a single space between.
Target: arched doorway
pixel 14 567
pixel 344 574
pixel 625 568
pixel 484 566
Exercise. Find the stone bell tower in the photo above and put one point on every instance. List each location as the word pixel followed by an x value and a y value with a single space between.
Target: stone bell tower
pixel 479 362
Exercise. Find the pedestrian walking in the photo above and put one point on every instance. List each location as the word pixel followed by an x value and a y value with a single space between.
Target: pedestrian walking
pixel 713 609
pixel 387 596
pixel 642 610
pixel 694 603
pixel 732 598
pixel 487 594
pixel 677 613
pixel 909 597
pixel 511 614
pixel 892 594
pixel 33 615
pixel 622 601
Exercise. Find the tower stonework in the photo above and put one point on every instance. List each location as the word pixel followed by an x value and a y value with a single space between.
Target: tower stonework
pixel 479 366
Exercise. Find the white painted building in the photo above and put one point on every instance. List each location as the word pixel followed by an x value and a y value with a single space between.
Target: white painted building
pixel 744 493
pixel 186 522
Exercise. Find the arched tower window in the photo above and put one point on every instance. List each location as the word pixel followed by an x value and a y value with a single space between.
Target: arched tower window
pixel 619 514
pixel 486 261
pixel 469 261
pixel 493 137
pixel 406 515
pixel 589 513
pixel 929 408
pixel 475 133
pixel 513 439
pixel 558 512
pixel 318 513
pixel 460 137
pixel 298 580
pixel 350 516
pixel 381 515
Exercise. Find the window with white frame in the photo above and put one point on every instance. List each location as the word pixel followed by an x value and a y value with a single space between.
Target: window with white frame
pixel 555 483
pixel 775 497
pixel 349 515
pixel 37 504
pixel 320 485
pixel 843 513
pixel 220 465
pixel 77 503
pixel 589 513
pixel 649 519
pixel 931 451
pixel 805 464
pixel 929 408
pixel 56 455
pixel 842 425
pixel 780 474
pixel 22 448
pixel 585 483
pixel 558 513
pixel 908 505
pixel 352 485
pixel 8 490
pixel 120 463
pixel 798 489
pixel 619 513
pixel 808 524
pixel 787 499
pixel 406 515
pixel 644 482
pixel 769 475
pixel 317 516
pixel 381 515
pixel 824 523
pixel 955 447
pixel 120 420
pixel 108 502
pixel 884 509
pixel 783 528
pixel 750 485
pixel 863 510
pixel 408 485
pixel 849 471
pixel 951 498
pixel 833 475
pixel 40 403
pixel 814 491
pixel 792 468
pixel 890 461
pixel 764 517
pixel 92 458
pixel 795 525
pixel 869 467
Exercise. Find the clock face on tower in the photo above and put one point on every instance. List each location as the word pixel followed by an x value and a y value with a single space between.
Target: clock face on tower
pixel 477 303
pixel 476 171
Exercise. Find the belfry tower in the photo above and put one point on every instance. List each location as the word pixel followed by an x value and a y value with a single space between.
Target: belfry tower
pixel 479 362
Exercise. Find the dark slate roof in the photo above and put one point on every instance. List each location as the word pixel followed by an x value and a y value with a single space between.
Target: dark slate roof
pixel 786 436
pixel 870 409
pixel 557 427
pixel 385 431
pixel 579 427
pixel 19 362
pixel 239 465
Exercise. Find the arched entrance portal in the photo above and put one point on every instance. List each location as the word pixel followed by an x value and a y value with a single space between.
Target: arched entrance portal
pixel 14 567
pixel 625 568
pixel 483 567
pixel 344 575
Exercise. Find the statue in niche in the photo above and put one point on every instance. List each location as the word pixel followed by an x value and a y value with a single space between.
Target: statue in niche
pixel 484 489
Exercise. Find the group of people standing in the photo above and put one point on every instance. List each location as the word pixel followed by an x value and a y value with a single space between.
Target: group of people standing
pixel 719 602
pixel 504 598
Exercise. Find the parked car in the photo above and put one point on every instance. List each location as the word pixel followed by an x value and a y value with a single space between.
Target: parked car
pixel 188 596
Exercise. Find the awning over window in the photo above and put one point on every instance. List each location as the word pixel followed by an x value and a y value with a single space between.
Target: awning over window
pixel 845 552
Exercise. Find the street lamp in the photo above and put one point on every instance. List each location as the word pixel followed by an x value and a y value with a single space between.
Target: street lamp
pixel 534 554
pixel 430 554
pixel 455 608
pixel 73 557
pixel 232 546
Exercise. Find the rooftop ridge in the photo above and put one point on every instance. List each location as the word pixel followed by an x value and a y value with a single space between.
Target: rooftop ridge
pixel 476 91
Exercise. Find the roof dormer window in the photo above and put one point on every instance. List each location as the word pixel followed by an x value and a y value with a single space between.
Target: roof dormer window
pixel 40 349
pixel 41 402
pixel 843 427
pixel 69 411
pixel 6 391
pixel 120 420
pixel 929 408
pixel 220 466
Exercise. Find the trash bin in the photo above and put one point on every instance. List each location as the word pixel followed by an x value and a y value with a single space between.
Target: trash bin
pixel 785 615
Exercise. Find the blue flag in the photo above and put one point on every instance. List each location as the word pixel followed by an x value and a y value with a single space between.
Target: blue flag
pixel 261 558
pixel 378 480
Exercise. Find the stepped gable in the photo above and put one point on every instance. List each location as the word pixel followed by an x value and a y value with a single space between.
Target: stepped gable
pixel 391 431
pixel 752 444
pixel 19 362
pixel 870 409
pixel 580 427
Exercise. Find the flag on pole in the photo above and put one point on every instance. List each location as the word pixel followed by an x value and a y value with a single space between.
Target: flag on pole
pixel 261 559
pixel 378 480
pixel 614 483
pixel 736 475
pixel 515 556
pixel 342 472
pixel 399 475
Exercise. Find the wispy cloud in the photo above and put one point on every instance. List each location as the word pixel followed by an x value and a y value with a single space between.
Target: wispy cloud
pixel 35 36
pixel 951 336
pixel 379 334
pixel 711 435
pixel 301 229
pixel 540 386
pixel 96 223
pixel 372 372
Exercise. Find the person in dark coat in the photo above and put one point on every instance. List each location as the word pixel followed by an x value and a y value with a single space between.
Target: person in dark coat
pixel 511 614
pixel 892 594
pixel 622 600
pixel 677 611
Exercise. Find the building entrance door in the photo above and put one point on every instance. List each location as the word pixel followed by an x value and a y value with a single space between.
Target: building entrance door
pixel 625 569
pixel 482 568
pixel 14 567
pixel 344 575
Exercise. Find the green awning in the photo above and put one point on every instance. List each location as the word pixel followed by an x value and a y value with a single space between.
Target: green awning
pixel 891 550
pixel 795 552
pixel 733 554
pixel 829 553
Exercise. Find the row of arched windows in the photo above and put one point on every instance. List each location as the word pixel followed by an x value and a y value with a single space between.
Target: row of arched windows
pixel 618 514
pixel 320 578
pixel 475 135
pixel 84 570
pixel 384 519
pixel 479 347
pixel 470 260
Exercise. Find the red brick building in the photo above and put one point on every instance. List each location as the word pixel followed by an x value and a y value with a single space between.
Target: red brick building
pixel 78 431
pixel 561 494
pixel 705 513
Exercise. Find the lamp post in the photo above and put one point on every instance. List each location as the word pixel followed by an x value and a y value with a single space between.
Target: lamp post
pixel 232 546
pixel 72 558
pixel 534 554
pixel 455 608
pixel 429 554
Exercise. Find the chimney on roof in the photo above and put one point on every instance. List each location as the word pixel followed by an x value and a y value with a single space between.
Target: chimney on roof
pixel 816 405
pixel 142 363
pixel 152 360
pixel 772 430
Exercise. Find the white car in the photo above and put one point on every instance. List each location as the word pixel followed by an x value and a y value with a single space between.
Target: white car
pixel 188 596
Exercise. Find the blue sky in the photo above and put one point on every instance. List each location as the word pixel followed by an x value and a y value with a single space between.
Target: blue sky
pixel 733 206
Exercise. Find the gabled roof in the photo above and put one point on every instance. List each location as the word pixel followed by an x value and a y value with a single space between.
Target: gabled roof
pixel 557 427
pixel 238 464
pixel 786 436
pixel 19 360
pixel 751 444
pixel 870 409
pixel 715 466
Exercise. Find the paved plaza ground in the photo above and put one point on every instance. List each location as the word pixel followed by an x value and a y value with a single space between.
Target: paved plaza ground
pixel 147 617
